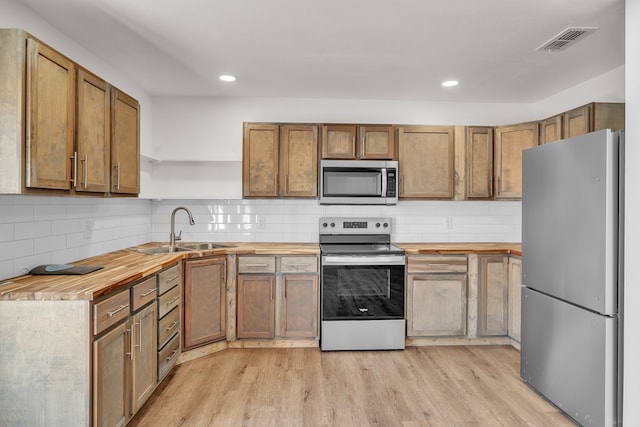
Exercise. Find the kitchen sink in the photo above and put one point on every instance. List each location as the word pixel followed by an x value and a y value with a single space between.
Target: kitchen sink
pixel 161 250
pixel 202 246
pixel 186 247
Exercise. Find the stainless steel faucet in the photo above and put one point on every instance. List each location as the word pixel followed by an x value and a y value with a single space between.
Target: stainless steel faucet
pixel 172 236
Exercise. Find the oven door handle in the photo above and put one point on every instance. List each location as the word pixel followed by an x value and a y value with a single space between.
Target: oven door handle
pixel 363 260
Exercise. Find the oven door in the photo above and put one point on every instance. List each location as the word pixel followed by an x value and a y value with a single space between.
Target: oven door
pixel 362 287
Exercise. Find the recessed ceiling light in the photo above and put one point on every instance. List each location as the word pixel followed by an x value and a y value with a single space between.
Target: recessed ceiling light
pixel 227 78
pixel 450 83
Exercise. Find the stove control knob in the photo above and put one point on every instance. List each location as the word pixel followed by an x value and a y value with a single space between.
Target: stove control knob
pixel 385 225
pixel 333 224
pixel 324 225
pixel 377 225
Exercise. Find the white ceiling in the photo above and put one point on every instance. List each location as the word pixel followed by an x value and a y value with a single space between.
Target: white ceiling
pixel 357 49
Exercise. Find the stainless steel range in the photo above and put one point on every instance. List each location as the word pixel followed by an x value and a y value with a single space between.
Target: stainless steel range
pixel 362 285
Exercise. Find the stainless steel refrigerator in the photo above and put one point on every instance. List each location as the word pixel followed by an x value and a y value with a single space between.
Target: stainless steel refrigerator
pixel 572 207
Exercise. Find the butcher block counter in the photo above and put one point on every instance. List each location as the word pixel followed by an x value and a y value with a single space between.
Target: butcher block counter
pixel 125 266
pixel 461 248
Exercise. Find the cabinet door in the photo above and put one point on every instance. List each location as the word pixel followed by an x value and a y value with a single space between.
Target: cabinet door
pixel 298 161
pixel 299 317
pixel 145 358
pixel 510 141
pixel 515 282
pixel 50 116
pixel 493 310
pixel 93 134
pixel 426 161
pixel 204 301
pixel 339 142
pixel 376 142
pixel 125 143
pixel 437 305
pixel 551 129
pixel 577 121
pixel 111 372
pixel 256 306
pixel 260 155
pixel 479 153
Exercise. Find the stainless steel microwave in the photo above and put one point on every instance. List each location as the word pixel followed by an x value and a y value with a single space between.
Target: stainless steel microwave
pixel 358 182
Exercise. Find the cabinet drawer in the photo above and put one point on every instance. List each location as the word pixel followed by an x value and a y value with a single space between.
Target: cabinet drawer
pixel 110 311
pixel 168 301
pixel 143 293
pixel 169 278
pixel 168 326
pixel 168 356
pixel 256 264
pixel 299 264
pixel 436 264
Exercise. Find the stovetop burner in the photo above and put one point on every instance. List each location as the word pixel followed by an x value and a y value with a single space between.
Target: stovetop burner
pixel 364 249
pixel 357 236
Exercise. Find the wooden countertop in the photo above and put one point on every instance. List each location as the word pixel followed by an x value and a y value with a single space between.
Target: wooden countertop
pixel 120 268
pixel 461 248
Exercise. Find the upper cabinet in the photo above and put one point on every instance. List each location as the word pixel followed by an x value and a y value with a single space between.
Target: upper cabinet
pixel 479 162
pixel 66 124
pixel 578 121
pixel 125 150
pixel 49 118
pixel 279 161
pixel 426 161
pixel 93 133
pixel 510 141
pixel 358 142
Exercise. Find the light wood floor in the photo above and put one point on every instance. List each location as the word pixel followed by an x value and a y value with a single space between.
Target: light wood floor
pixel 421 386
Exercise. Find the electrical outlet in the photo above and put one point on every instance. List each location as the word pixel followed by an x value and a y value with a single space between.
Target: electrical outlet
pixel 87 230
pixel 260 220
pixel 448 223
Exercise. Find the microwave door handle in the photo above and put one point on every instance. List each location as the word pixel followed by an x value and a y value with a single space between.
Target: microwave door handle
pixel 384 182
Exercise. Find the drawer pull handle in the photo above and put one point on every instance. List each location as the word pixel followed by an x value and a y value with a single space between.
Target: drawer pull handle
pixel 122 307
pixel 173 300
pixel 169 357
pixel 149 292
pixel 256 265
pixel 172 279
pixel 173 325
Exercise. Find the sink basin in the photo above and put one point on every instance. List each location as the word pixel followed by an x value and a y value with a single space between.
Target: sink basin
pixel 162 250
pixel 201 246
pixel 186 247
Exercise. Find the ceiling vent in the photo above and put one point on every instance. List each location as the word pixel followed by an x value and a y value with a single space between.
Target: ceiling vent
pixel 566 38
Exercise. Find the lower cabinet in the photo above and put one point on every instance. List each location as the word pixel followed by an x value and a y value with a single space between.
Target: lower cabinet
pixel 256 306
pixel 204 301
pixel 436 295
pixel 168 336
pixel 493 294
pixel 515 283
pixel 277 296
pixel 110 374
pixel 124 368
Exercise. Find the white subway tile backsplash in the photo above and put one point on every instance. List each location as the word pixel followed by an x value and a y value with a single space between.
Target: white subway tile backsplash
pixel 65 229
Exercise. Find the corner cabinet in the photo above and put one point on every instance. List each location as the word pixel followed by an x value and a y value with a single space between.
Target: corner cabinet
pixel 277 291
pixel 426 162
pixel 64 125
pixel 510 141
pixel 279 161
pixel 204 301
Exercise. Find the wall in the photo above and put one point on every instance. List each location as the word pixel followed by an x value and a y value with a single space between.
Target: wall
pixel 632 214
pixel 297 220
pixel 44 229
